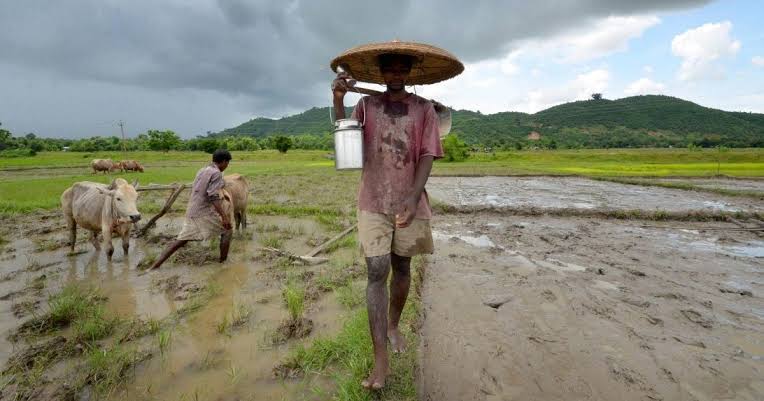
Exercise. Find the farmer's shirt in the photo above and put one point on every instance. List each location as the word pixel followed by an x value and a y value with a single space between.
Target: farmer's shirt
pixel 208 181
pixel 396 135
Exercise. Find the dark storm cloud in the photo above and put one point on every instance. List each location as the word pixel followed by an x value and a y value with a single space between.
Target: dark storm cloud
pixel 270 56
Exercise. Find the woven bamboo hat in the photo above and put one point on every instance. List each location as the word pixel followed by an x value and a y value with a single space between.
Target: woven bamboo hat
pixel 431 64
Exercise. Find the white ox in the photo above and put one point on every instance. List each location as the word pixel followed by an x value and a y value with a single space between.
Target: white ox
pixel 100 208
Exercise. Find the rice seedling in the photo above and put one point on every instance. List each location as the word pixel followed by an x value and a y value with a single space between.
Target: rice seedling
pixel 106 369
pixel 272 241
pixel 233 373
pixel 294 297
pixel 95 326
pixel 164 339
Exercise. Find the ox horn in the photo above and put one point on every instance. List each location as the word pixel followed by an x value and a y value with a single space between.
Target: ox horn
pixel 113 185
pixel 135 183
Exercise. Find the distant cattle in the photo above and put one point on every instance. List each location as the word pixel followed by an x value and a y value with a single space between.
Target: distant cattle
pixel 105 165
pixel 239 190
pixel 100 208
pixel 131 165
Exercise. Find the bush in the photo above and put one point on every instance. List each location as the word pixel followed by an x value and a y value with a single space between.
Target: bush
pixel 282 143
pixel 24 152
pixel 454 149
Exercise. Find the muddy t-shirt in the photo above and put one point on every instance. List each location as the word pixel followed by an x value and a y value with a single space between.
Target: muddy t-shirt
pixel 396 134
pixel 208 181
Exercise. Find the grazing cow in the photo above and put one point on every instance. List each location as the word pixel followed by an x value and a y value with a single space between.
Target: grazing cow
pixel 105 165
pixel 100 208
pixel 131 165
pixel 239 189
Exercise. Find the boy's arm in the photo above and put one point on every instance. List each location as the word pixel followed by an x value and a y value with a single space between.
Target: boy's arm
pixel 404 218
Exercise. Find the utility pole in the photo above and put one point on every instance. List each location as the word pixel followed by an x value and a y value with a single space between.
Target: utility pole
pixel 124 145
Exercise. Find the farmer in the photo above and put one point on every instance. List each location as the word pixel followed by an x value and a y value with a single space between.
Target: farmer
pixel 206 216
pixel 400 142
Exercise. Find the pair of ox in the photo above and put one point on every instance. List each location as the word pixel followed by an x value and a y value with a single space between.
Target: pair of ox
pixel 108 165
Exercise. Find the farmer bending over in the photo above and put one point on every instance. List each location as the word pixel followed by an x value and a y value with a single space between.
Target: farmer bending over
pixel 400 141
pixel 205 217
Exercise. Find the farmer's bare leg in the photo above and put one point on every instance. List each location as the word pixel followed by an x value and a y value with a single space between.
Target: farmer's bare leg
pixel 177 244
pixel 376 304
pixel 399 292
pixel 225 244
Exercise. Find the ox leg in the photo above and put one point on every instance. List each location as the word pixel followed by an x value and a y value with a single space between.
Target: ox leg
pixel 107 242
pixel 94 241
pixel 244 219
pixel 126 241
pixel 72 232
pixel 237 217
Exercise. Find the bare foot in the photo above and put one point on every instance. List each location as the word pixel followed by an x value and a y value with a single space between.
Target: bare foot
pixel 376 379
pixel 397 341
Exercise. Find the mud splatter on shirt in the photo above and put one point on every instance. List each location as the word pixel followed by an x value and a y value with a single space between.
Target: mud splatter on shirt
pixel 396 135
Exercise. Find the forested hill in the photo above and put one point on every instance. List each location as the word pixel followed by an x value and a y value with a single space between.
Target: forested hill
pixel 629 122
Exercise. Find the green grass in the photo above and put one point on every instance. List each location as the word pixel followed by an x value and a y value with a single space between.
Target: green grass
pixel 97 325
pixel 347 356
pixel 106 368
pixel 294 297
pixel 304 183
pixel 272 240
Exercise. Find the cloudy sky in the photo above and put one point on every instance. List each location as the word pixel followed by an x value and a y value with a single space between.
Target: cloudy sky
pixel 74 68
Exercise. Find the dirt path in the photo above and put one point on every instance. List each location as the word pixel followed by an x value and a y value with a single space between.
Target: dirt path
pixel 521 308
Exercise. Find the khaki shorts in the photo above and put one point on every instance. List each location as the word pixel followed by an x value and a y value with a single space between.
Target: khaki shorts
pixel 201 228
pixel 379 236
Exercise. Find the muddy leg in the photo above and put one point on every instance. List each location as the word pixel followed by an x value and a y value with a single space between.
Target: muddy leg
pixel 94 241
pixel 399 292
pixel 168 252
pixel 126 241
pixel 237 218
pixel 376 304
pixel 244 219
pixel 72 232
pixel 225 244
pixel 107 242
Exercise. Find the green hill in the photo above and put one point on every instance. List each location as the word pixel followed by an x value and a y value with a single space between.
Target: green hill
pixel 636 121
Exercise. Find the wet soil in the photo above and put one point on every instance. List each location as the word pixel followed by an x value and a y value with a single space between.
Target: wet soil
pixel 578 194
pixel 551 308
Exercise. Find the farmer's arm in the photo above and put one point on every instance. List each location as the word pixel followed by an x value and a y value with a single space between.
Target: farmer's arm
pixel 430 150
pixel 339 89
pixel 411 202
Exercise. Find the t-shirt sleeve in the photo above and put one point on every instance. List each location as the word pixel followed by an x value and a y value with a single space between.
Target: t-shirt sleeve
pixel 216 184
pixel 430 134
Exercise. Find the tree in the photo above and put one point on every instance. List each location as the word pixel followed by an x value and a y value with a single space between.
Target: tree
pixel 596 96
pixel 282 143
pixel 454 149
pixel 163 140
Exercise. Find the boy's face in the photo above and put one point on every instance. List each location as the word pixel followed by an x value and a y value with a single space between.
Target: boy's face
pixel 223 165
pixel 395 75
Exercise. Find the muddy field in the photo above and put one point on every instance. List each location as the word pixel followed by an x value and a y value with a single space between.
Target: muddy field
pixel 571 308
pixel 220 329
pixel 514 306
pixel 578 193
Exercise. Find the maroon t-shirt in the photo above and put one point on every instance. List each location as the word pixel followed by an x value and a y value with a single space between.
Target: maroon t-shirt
pixel 396 134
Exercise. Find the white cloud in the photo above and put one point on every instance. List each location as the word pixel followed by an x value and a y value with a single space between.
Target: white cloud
pixel 592 41
pixel 758 61
pixel 701 47
pixel 580 88
pixel 644 86
pixel 607 36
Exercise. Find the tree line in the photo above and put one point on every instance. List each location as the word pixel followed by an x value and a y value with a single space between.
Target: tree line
pixel 158 140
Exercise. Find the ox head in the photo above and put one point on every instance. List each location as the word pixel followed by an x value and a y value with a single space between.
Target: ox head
pixel 124 200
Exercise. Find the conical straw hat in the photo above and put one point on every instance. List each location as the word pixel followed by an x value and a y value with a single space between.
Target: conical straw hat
pixel 431 64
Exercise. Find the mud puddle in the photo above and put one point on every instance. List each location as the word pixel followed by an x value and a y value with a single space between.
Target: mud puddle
pixel 576 308
pixel 577 193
